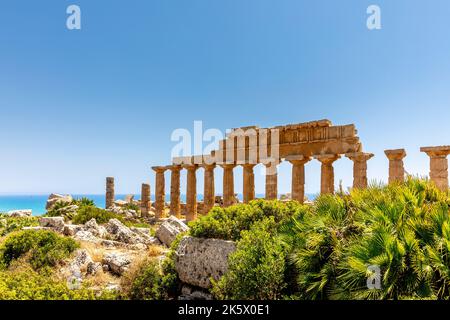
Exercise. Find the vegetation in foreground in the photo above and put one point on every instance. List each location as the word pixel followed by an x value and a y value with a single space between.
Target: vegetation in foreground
pixel 324 251
pixel 285 250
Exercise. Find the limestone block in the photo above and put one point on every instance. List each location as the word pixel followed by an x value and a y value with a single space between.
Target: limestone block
pixel 54 223
pixel 169 229
pixel 197 260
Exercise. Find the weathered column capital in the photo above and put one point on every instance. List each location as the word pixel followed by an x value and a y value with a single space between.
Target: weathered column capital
pixel 359 156
pixel 298 159
pixel 160 169
pixel 190 167
pixel 395 154
pixel 206 166
pixel 327 159
pixel 248 166
pixel 174 167
pixel 436 152
pixel 228 165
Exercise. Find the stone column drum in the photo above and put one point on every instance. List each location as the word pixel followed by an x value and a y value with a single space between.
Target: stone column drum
pixel 175 208
pixel 359 168
pixel 145 200
pixel 438 165
pixel 109 192
pixel 327 172
pixel 228 184
pixel 298 177
pixel 209 190
pixel 248 185
pixel 271 180
pixel 159 192
pixel 396 167
pixel 191 192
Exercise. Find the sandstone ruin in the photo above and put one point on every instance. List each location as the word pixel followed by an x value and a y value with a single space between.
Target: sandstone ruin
pixel 297 144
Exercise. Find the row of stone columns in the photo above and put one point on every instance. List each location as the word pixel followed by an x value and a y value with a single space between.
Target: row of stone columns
pixel 298 182
pixel 438 165
pixel 145 196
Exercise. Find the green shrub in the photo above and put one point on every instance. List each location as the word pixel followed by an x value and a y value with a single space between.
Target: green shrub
pixel 27 284
pixel 257 267
pixel 42 248
pixel 83 201
pixel 227 223
pixel 403 229
pixel 152 280
pixel 86 213
pixel 11 224
pixel 131 206
pixel 145 282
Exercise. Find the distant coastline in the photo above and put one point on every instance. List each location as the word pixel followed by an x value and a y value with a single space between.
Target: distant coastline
pixel 37 202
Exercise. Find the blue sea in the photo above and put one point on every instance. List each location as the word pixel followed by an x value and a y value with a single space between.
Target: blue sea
pixel 37 202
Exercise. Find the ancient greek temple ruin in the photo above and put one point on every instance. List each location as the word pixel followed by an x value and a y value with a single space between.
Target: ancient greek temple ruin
pixel 249 146
pixel 296 143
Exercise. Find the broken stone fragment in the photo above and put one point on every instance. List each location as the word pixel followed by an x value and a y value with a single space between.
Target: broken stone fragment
pixel 20 213
pixel 57 198
pixel 169 229
pixel 117 263
pixel 55 223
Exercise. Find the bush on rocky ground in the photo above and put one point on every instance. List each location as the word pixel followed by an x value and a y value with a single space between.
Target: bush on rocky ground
pixel 42 248
pixel 10 224
pixel 24 283
pixel 228 223
pixel 86 213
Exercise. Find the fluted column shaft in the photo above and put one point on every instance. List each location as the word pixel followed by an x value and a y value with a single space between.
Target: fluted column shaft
pixel 145 200
pixel 248 183
pixel 191 192
pixel 175 209
pixel 271 181
pixel 109 201
pixel 396 167
pixel 228 184
pixel 327 172
pixel 298 177
pixel 359 168
pixel 159 192
pixel 438 165
pixel 209 190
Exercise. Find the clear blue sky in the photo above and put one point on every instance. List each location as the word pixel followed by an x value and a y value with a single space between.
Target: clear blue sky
pixel 77 106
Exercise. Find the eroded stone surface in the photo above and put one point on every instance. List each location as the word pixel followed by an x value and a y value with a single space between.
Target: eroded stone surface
pixel 55 223
pixel 20 213
pixel 169 229
pixel 55 198
pixel 197 260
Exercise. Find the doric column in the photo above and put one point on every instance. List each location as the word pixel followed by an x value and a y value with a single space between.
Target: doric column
pixel 228 184
pixel 438 165
pixel 396 168
pixel 272 180
pixel 359 168
pixel 175 191
pixel 160 200
pixel 327 172
pixel 248 186
pixel 145 200
pixel 298 176
pixel 191 192
pixel 209 191
pixel 109 192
